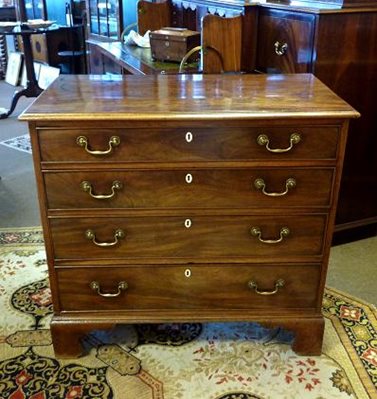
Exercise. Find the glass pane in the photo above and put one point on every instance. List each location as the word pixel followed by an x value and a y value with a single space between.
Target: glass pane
pixel 102 13
pixel 113 18
pixel 104 17
pixel 34 9
pixel 94 25
pixel 94 28
pixel 38 9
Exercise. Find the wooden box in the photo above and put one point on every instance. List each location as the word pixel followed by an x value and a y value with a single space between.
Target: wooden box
pixel 171 44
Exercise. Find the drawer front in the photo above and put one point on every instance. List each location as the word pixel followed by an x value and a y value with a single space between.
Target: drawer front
pixel 180 144
pixel 191 188
pixel 191 287
pixel 188 237
pixel 286 42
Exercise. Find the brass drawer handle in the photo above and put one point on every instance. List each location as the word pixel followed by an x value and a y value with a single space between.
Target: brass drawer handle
pixel 90 235
pixel 95 286
pixel 280 48
pixel 257 232
pixel 88 188
pixel 263 140
pixel 278 284
pixel 82 141
pixel 259 184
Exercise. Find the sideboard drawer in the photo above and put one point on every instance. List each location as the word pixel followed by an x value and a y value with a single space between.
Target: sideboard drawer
pixel 190 188
pixel 190 144
pixel 188 287
pixel 285 42
pixel 188 237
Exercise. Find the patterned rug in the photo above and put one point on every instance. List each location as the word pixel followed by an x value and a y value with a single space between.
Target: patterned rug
pixel 172 361
pixel 20 143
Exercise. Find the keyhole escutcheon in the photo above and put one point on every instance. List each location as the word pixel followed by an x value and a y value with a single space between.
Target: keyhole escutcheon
pixel 189 137
pixel 188 178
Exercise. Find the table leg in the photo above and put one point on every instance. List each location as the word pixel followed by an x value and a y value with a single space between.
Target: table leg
pixel 32 89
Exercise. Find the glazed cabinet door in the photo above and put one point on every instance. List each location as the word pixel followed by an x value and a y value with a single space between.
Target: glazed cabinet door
pixel 105 18
pixel 285 42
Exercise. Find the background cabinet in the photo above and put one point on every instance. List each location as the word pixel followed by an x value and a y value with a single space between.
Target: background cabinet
pixel 36 9
pixel 105 18
pixel 285 42
pixel 340 48
pixel 105 21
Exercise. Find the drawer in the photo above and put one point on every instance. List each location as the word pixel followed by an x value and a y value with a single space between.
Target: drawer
pixel 190 188
pixel 186 144
pixel 285 43
pixel 188 237
pixel 188 287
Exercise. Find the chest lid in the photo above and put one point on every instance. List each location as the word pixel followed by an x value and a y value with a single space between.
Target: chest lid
pixel 174 34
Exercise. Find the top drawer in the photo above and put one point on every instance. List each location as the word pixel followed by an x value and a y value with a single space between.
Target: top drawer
pixel 181 144
pixel 285 42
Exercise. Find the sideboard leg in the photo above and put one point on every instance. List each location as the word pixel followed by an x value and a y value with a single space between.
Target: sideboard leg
pixel 67 336
pixel 308 336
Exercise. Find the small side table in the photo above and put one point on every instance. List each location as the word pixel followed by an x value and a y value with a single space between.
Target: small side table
pixel 32 88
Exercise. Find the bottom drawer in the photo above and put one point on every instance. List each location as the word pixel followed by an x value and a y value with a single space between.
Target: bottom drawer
pixel 188 287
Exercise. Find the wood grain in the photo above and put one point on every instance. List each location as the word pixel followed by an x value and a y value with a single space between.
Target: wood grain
pixel 162 189
pixel 218 237
pixel 209 144
pixel 208 287
pixel 187 97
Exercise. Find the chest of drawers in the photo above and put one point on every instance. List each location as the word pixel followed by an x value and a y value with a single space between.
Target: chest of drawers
pixel 188 198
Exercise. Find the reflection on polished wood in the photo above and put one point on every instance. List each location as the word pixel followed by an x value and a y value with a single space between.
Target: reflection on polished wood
pixel 136 60
pixel 187 97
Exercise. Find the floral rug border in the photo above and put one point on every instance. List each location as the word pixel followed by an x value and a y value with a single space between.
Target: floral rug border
pixel 357 329
pixel 21 235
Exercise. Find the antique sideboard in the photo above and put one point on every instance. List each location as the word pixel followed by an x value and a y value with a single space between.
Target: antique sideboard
pixel 336 40
pixel 171 198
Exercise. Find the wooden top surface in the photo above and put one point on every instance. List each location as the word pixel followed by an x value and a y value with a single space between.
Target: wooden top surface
pixel 318 4
pixel 137 60
pixel 186 97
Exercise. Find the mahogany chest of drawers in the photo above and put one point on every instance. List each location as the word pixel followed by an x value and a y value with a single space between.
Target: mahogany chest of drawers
pixel 188 198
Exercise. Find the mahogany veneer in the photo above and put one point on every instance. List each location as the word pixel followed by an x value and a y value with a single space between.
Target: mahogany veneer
pixel 189 215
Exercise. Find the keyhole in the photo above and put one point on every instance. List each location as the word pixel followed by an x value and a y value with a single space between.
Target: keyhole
pixel 189 137
pixel 189 178
pixel 188 273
